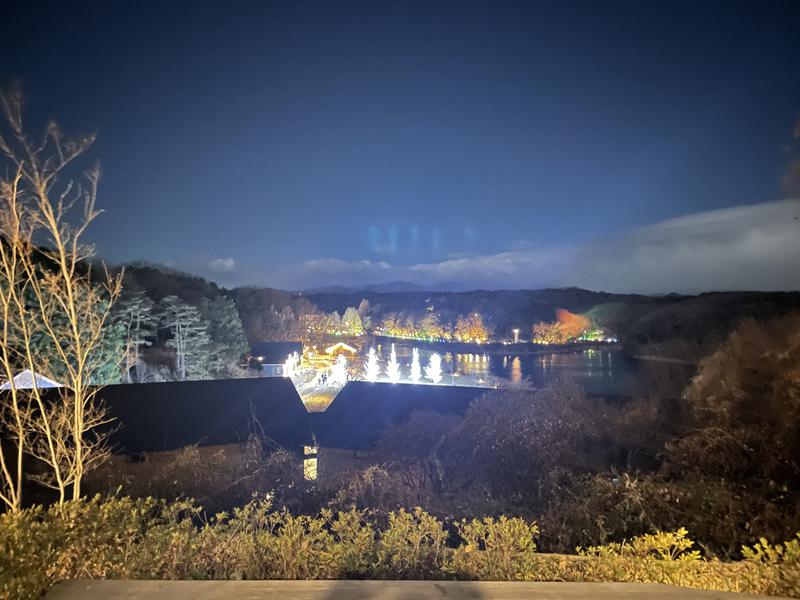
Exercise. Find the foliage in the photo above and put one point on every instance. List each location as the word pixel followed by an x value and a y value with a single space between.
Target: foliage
pixel 495 549
pixel 351 322
pixel 568 326
pixel 189 338
pixel 512 439
pixel 776 567
pixel 220 478
pixel 134 313
pixel 128 538
pixel 743 408
pixel 471 328
pixel 412 547
pixel 228 344
pixel 55 310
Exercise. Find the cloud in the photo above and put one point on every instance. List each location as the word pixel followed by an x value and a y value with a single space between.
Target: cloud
pixel 754 247
pixel 222 265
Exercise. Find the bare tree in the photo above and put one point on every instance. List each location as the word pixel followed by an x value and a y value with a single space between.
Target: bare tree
pixel 61 309
pixel 15 339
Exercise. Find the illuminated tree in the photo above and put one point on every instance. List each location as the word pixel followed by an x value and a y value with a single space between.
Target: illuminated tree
pixel 548 333
pixel 572 325
pixel 55 311
pixel 333 323
pixel 429 326
pixel 371 367
pixel 189 338
pixel 389 324
pixel 416 372
pixel 227 342
pixel 291 364
pixel 434 369
pixel 339 370
pixel 393 367
pixel 137 318
pixel 364 313
pixel 351 322
pixel 568 326
pixel 471 328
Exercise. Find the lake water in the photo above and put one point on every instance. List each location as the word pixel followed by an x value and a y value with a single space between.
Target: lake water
pixel 600 370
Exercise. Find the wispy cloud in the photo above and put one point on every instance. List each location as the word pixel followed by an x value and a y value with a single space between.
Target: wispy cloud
pixel 222 265
pixel 753 247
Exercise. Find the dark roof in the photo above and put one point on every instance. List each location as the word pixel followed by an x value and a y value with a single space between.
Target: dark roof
pixel 275 353
pixel 165 416
pixel 362 410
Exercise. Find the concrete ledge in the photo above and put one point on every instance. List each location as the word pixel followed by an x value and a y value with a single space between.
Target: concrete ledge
pixel 374 590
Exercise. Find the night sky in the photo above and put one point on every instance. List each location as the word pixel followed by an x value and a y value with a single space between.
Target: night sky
pixel 627 146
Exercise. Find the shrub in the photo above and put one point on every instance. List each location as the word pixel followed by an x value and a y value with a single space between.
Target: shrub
pixel 147 538
pixel 495 549
pixel 412 547
pixel 89 539
pixel 356 544
pixel 776 568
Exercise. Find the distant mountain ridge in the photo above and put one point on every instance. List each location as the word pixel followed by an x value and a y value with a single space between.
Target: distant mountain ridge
pixel 675 325
pixel 391 287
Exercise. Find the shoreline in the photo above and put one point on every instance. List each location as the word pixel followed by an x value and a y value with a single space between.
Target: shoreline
pixel 499 347
pixel 663 359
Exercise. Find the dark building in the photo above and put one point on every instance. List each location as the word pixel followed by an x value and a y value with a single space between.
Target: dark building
pixel 271 356
pixel 165 416
pixel 362 410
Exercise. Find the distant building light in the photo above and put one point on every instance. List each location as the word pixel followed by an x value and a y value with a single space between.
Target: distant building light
pixel 310 463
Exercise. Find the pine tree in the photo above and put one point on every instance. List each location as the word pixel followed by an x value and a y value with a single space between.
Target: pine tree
pixel 190 339
pixel 135 316
pixel 225 330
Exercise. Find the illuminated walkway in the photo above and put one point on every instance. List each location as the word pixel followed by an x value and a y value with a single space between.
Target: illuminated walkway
pixel 369 590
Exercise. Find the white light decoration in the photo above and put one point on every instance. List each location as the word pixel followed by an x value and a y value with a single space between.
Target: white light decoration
pixel 434 369
pixel 393 367
pixel 416 372
pixel 371 367
pixel 291 365
pixel 339 370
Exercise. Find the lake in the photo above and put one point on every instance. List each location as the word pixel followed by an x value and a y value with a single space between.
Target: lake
pixel 599 370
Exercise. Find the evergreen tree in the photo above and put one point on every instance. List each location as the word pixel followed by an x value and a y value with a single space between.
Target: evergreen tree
pixel 135 317
pixel 351 322
pixel 225 330
pixel 189 337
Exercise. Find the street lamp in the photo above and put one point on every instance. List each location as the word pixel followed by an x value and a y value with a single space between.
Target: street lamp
pixel 516 335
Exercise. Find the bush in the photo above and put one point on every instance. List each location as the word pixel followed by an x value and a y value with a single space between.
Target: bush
pixel 147 538
pixel 412 547
pixel 776 568
pixel 495 549
pixel 88 539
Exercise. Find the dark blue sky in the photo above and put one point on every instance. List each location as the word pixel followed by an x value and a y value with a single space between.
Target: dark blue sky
pixel 384 140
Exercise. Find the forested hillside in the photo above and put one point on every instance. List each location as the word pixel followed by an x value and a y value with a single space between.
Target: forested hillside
pixel 671 326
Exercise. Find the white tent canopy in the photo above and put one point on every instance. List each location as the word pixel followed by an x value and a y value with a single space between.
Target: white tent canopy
pixel 26 380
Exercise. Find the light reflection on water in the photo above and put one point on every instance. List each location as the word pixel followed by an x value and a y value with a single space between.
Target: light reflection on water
pixel 598 370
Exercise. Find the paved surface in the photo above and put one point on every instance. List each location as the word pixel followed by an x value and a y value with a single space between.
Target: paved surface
pixel 373 590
